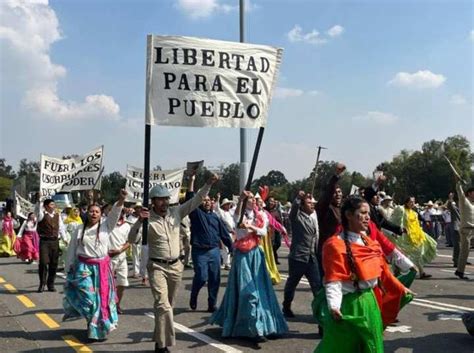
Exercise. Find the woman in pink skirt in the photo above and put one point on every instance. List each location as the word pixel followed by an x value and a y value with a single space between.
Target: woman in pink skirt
pixel 29 240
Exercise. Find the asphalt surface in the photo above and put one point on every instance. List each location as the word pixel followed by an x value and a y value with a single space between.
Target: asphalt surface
pixel 31 322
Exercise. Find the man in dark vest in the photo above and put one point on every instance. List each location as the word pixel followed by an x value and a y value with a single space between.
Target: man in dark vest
pixel 50 226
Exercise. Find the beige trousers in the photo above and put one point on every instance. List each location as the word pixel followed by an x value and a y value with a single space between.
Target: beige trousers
pixel 164 282
pixel 465 236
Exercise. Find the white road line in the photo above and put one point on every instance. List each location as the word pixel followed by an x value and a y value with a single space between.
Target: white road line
pixel 61 274
pixel 452 271
pixel 421 302
pixel 450 256
pixel 413 302
pixel 200 336
pixel 444 304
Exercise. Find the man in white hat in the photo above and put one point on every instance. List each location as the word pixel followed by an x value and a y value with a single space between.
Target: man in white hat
pixel 426 215
pixel 164 268
pixel 386 207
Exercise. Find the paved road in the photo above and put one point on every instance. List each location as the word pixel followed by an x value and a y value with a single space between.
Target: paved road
pixel 31 322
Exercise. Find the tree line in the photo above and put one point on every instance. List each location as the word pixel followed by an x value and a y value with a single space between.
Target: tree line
pixel 425 174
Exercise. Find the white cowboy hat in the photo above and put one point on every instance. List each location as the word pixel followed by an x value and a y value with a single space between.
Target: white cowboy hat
pixel 226 201
pixel 429 203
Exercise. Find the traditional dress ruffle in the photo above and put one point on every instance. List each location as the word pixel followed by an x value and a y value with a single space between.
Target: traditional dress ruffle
pixel 266 244
pixel 29 246
pixel 359 331
pixel 6 244
pixel 83 293
pixel 417 245
pixel 250 307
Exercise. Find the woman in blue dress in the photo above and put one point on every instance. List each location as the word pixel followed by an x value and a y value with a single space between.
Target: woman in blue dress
pixel 249 307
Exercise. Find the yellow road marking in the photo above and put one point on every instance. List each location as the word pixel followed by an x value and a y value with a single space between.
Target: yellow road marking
pixel 2 280
pixel 47 320
pixel 26 301
pixel 74 343
pixel 10 288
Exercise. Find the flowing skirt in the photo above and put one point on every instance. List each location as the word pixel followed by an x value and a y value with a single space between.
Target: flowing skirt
pixel 82 298
pixel 249 307
pixel 6 245
pixel 29 249
pixel 359 331
pixel 421 254
pixel 272 268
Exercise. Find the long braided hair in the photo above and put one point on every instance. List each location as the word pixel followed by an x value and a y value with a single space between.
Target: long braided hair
pixel 351 205
pixel 97 239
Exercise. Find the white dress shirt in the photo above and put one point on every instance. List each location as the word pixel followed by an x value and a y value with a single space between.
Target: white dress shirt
pixel 91 245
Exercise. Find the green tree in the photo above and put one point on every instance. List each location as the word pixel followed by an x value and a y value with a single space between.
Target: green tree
pixel 272 179
pixel 5 188
pixel 6 171
pixel 111 185
pixel 30 171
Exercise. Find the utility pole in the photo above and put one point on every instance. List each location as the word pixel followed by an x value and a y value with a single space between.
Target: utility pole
pixel 316 167
pixel 244 165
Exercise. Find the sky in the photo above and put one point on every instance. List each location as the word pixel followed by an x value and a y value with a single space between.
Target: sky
pixel 365 79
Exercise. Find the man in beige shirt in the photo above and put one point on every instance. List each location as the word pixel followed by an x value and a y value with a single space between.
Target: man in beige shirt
pixel 466 231
pixel 164 268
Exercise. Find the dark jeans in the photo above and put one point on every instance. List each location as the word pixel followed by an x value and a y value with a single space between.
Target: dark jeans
pixel 48 261
pixel 207 268
pixel 276 244
pixel 296 270
pixel 456 246
pixel 448 231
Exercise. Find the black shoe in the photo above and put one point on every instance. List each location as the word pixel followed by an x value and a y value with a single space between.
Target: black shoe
pixel 287 312
pixel 52 289
pixel 460 275
pixel 119 310
pixel 161 350
pixel 211 309
pixel 193 304
pixel 468 263
pixel 259 339
pixel 40 289
pixel 277 262
pixel 425 276
pixel 320 331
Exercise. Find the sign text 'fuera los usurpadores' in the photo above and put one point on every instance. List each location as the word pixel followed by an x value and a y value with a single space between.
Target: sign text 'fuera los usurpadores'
pixel 209 83
pixel 72 174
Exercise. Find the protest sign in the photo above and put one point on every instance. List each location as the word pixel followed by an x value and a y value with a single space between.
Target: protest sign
pixel 23 206
pixel 209 83
pixel 354 190
pixel 171 179
pixel 72 174
pixel 194 166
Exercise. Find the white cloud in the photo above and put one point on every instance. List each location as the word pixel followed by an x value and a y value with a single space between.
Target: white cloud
pixel 197 9
pixel 471 35
pixel 419 79
pixel 313 93
pixel 283 92
pixel 296 34
pixel 377 118
pixel 27 32
pixel 457 99
pixel 335 31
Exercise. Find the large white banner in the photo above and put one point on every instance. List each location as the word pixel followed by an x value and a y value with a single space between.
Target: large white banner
pixel 23 206
pixel 171 179
pixel 79 173
pixel 209 83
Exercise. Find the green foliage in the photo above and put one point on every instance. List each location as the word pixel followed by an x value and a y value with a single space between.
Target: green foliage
pixel 426 174
pixel 6 171
pixel 5 187
pixel 111 185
